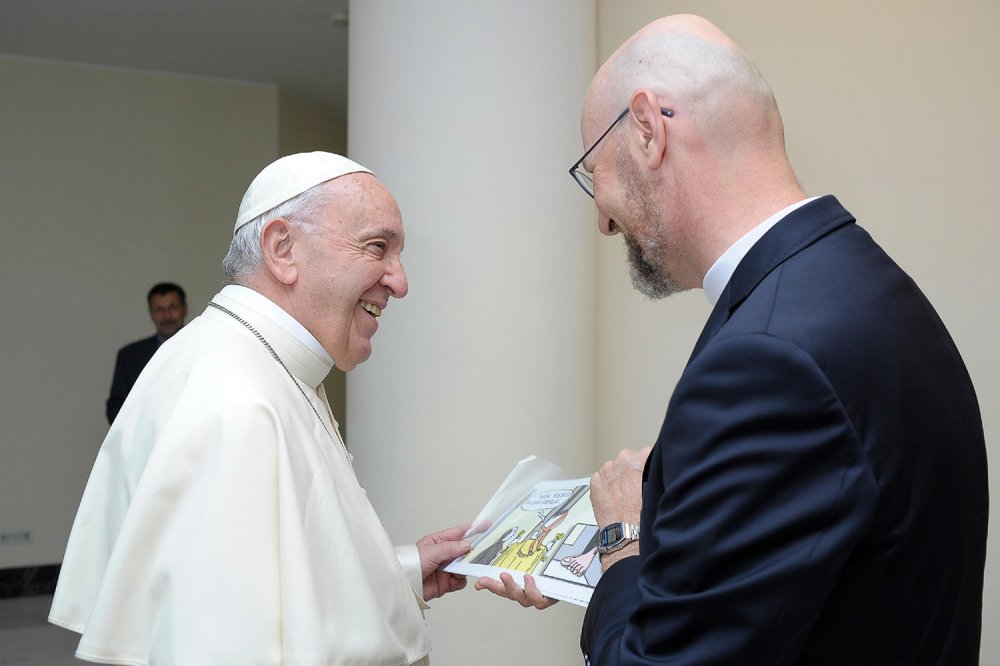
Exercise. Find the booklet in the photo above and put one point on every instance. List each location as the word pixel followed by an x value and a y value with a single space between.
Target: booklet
pixel 539 525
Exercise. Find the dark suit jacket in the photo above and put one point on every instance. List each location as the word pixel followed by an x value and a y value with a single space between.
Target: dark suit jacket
pixel 818 491
pixel 132 358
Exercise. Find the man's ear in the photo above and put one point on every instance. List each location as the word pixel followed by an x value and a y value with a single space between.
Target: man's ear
pixel 277 245
pixel 649 128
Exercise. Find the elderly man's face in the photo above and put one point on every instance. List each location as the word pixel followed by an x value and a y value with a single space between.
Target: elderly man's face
pixel 626 204
pixel 352 268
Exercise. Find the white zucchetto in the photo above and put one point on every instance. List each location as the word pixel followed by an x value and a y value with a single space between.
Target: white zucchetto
pixel 290 176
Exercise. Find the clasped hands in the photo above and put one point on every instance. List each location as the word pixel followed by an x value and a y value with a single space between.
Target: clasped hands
pixel 616 495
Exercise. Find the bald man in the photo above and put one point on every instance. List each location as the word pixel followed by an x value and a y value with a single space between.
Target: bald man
pixel 818 492
pixel 223 524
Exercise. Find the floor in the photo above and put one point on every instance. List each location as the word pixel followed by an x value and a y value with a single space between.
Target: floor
pixel 27 639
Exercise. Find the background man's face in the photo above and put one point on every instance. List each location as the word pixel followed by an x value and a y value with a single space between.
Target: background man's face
pixel 168 313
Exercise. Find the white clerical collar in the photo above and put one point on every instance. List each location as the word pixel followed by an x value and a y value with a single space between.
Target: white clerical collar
pixel 722 270
pixel 272 310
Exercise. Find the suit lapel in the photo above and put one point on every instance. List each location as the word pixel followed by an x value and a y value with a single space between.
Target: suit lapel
pixel 720 313
pixel 800 229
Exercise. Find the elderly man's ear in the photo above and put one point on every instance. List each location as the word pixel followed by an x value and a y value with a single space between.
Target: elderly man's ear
pixel 277 244
pixel 650 128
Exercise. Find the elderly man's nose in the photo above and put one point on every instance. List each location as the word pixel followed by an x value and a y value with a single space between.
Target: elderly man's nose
pixel 395 281
pixel 607 226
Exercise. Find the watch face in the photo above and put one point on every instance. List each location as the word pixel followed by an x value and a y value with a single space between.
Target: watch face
pixel 612 534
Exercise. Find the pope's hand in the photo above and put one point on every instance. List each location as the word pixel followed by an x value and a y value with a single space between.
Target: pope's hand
pixel 439 549
pixel 527 596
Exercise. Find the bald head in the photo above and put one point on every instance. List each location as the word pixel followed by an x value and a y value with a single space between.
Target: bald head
pixel 699 156
pixel 698 71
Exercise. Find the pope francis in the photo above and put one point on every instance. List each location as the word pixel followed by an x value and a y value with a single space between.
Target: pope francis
pixel 222 524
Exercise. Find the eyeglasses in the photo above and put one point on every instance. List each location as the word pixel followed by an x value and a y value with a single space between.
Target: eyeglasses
pixel 584 179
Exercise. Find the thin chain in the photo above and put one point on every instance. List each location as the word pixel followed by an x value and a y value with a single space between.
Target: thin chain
pixel 277 358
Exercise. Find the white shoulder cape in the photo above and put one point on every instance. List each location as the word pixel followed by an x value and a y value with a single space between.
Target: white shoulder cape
pixel 221 524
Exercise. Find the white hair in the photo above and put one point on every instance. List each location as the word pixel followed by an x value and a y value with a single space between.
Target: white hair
pixel 245 259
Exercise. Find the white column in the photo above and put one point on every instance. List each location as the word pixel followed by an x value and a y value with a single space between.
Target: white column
pixel 469 113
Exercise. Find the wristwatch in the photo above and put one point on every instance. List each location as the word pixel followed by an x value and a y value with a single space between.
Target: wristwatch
pixel 616 536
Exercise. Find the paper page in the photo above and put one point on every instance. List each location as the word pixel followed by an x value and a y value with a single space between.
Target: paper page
pixel 549 532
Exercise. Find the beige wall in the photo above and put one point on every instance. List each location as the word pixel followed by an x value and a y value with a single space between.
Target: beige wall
pixel 110 180
pixel 306 125
pixel 889 105
pixel 489 356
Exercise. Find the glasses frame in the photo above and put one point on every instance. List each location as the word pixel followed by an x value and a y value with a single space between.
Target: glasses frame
pixel 581 176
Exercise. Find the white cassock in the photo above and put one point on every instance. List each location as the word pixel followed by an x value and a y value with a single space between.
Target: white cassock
pixel 223 524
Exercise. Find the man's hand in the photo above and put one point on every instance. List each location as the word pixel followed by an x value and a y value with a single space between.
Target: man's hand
pixel 506 587
pixel 616 493
pixel 438 549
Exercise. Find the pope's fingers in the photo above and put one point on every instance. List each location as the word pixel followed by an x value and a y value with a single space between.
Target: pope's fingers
pixel 505 587
pixel 513 591
pixel 451 534
pixel 491 584
pixel 479 527
pixel 534 595
pixel 482 583
pixel 531 596
pixel 435 554
pixel 456 582
pixel 508 589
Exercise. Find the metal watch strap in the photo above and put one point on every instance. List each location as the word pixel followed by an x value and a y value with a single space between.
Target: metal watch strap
pixel 629 533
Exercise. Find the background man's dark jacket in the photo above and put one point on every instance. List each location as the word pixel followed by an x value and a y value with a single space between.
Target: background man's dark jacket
pixel 132 358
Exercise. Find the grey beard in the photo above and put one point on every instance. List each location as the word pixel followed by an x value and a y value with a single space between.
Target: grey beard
pixel 651 282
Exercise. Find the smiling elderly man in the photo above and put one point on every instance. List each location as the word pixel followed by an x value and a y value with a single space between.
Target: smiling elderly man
pixel 223 522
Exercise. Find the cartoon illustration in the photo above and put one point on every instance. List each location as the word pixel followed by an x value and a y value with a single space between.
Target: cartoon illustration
pixel 576 559
pixel 525 555
pixel 578 564
pixel 550 533
pixel 491 553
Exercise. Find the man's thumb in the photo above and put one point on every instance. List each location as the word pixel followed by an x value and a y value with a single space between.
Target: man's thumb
pixel 446 551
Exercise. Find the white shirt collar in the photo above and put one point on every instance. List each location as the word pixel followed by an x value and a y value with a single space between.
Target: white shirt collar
pixel 722 270
pixel 272 310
